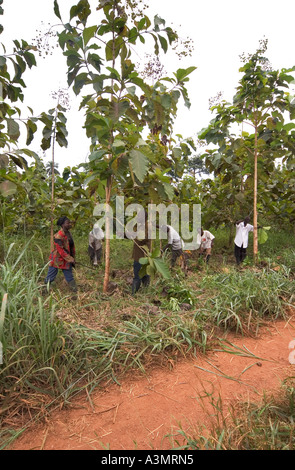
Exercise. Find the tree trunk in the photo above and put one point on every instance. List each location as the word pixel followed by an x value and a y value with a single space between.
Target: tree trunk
pixel 52 184
pixel 107 236
pixel 109 188
pixel 255 235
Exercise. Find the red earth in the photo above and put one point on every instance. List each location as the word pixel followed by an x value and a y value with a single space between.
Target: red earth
pixel 146 412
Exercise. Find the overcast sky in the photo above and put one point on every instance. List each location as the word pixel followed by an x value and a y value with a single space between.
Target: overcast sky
pixel 221 31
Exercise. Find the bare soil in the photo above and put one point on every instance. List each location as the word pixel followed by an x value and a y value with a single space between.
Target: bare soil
pixel 147 412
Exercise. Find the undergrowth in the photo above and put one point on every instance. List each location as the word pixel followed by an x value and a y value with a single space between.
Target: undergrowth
pixel 53 347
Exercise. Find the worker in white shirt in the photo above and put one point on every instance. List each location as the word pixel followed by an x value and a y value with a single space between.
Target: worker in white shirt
pixel 241 240
pixel 175 243
pixel 206 244
pixel 95 244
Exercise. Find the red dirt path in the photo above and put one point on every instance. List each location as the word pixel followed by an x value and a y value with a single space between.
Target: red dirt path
pixel 144 413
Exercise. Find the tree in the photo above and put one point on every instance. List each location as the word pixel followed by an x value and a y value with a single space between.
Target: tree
pixel 55 131
pixel 120 104
pixel 12 68
pixel 261 104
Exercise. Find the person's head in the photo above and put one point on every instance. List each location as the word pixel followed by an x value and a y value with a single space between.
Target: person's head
pixel 64 223
pixel 246 220
pixel 164 229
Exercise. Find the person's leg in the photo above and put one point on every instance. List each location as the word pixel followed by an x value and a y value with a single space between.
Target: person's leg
pixel 175 255
pixel 68 274
pixel 51 274
pixel 136 279
pixel 99 255
pixel 208 254
pixel 243 254
pixel 91 253
pixel 237 254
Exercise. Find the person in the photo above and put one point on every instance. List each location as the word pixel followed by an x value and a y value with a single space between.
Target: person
pixel 243 227
pixel 95 244
pixel 175 244
pixel 137 253
pixel 206 244
pixel 63 255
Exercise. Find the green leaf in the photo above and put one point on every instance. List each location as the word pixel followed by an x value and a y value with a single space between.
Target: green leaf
pixel 113 48
pixel 95 61
pixel 13 129
pixel 156 253
pixel 56 9
pixel 118 109
pixel 30 59
pixel 80 81
pixel 289 126
pixel 97 155
pixel 262 236
pixel 181 74
pixel 89 33
pixel 139 163
pixel 7 188
pixel 169 190
pixel 150 270
pixel 31 129
pixel 4 160
pixel 61 140
pixel 162 268
pixel 163 43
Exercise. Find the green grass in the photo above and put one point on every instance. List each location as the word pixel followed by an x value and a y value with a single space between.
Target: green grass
pixel 241 299
pixel 55 347
pixel 268 425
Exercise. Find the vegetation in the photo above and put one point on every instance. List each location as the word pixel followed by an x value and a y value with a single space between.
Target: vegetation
pixel 268 425
pixel 53 348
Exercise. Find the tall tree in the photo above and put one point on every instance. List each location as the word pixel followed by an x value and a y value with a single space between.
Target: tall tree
pixel 263 105
pixel 120 104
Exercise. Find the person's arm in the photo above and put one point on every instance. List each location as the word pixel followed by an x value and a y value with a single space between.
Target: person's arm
pixel 167 246
pixel 91 241
pixel 239 221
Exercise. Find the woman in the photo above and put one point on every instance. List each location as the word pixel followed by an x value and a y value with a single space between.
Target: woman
pixel 63 254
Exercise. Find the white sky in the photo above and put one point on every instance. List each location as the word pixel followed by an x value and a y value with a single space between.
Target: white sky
pixel 221 31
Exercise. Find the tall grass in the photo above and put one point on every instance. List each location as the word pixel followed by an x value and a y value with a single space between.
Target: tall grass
pixel 47 360
pixel 268 425
pixel 242 299
pixel 46 357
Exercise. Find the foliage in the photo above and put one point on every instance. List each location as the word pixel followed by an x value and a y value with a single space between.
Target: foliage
pixel 262 104
pixel 241 300
pixel 248 426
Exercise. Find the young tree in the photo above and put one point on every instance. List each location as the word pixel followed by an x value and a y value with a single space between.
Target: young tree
pixel 120 104
pixel 12 68
pixel 55 131
pixel 263 105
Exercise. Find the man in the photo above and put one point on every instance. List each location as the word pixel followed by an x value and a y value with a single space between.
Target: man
pixel 241 240
pixel 175 244
pixel 137 253
pixel 206 244
pixel 95 244
pixel 63 255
